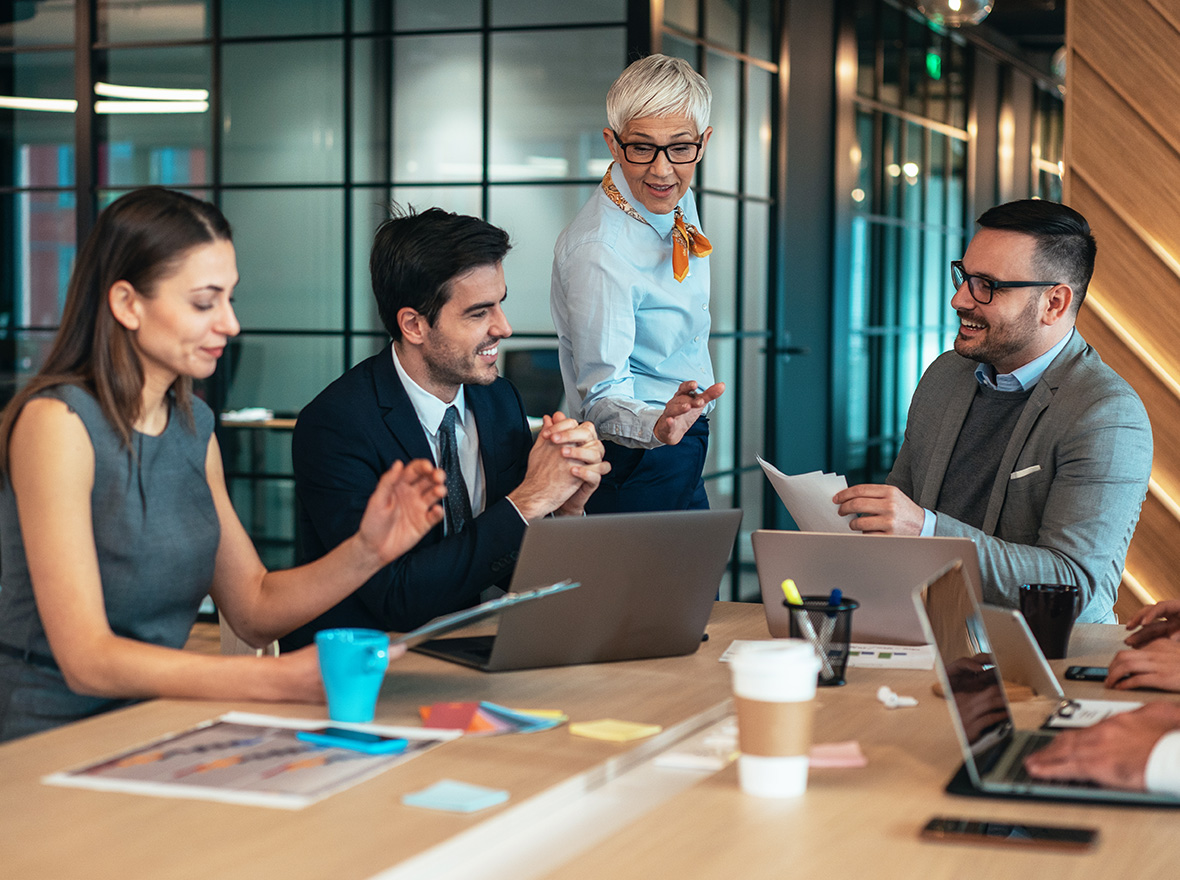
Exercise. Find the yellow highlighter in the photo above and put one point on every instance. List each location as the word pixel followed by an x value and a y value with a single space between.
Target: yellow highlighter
pixel 791 592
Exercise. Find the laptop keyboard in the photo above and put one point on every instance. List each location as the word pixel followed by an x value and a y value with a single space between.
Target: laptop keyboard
pixel 1034 742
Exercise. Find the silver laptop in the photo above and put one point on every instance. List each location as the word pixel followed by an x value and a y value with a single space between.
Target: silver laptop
pixel 648 583
pixel 1016 652
pixel 1011 643
pixel 878 571
pixel 993 748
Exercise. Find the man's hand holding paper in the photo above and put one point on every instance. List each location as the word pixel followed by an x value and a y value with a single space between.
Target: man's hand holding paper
pixel 808 498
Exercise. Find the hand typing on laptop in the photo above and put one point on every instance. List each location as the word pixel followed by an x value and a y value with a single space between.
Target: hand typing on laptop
pixel 1154 658
pixel 1130 751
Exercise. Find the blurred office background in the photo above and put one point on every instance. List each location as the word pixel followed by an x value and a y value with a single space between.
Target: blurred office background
pixel 854 144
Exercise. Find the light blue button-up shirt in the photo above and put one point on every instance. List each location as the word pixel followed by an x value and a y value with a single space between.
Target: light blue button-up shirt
pixel 1020 379
pixel 628 332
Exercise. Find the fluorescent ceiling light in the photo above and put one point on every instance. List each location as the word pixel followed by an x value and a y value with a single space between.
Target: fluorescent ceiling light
pixel 109 107
pixel 48 105
pixel 143 93
pixel 63 105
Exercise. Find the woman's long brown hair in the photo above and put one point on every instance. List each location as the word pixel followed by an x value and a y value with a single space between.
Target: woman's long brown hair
pixel 141 238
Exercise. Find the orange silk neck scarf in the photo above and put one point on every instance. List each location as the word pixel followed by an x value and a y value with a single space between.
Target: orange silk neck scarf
pixel 686 238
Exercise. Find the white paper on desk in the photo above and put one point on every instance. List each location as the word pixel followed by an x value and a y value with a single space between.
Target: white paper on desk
pixel 735 646
pixel 1084 713
pixel 865 656
pixel 808 498
pixel 242 758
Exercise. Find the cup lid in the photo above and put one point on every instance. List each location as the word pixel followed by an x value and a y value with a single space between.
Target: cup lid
pixel 774 654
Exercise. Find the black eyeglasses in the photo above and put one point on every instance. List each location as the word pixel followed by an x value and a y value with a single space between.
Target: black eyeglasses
pixel 983 289
pixel 645 154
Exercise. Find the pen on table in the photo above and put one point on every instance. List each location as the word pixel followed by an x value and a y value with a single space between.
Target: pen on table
pixel 795 601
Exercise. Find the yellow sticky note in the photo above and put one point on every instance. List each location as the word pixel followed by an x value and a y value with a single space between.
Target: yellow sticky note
pixel 613 730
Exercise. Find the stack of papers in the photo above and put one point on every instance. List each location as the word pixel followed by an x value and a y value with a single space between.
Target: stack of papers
pixel 487 718
pixel 808 498
pixel 248 414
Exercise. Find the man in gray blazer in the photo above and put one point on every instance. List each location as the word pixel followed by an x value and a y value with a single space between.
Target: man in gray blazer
pixel 1021 439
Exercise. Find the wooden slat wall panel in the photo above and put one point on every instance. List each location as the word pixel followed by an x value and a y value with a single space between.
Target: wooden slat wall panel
pixel 1133 48
pixel 1162 404
pixel 1152 553
pixel 1123 172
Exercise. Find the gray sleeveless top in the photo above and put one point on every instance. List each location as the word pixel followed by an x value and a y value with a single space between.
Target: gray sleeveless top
pixel 156 532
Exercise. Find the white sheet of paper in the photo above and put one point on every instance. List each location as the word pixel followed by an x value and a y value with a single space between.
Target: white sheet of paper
pixel 869 656
pixel 808 498
pixel 1083 713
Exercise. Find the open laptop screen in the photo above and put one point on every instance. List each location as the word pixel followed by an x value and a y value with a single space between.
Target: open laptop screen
pixel 970 675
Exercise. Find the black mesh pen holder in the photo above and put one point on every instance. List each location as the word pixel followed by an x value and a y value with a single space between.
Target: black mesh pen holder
pixel 829 630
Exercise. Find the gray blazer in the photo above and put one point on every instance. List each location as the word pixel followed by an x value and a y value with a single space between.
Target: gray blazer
pixel 1070 485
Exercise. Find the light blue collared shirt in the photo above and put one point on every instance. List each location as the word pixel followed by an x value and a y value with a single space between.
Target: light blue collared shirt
pixel 628 332
pixel 1020 379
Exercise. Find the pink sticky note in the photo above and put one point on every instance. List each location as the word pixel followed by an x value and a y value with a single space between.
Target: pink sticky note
pixel 843 754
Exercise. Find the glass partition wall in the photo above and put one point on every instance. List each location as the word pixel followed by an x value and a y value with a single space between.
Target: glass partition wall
pixel 303 120
pixel 927 140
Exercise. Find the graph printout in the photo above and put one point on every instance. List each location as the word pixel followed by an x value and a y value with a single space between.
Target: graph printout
pixel 245 759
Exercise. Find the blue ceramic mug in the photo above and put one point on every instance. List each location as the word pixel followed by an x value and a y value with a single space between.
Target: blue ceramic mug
pixel 352 665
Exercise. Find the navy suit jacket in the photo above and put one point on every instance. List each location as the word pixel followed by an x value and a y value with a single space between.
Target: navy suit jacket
pixel 346 439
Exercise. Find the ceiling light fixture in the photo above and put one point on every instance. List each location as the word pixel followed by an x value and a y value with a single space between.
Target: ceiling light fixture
pixel 45 105
pixel 954 13
pixel 110 107
pixel 143 93
pixel 140 99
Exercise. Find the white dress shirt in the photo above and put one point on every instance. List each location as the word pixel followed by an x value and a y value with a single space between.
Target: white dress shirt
pixel 1162 773
pixel 430 411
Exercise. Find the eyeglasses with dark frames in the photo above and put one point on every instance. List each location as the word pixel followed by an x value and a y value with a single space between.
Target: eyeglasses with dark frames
pixel 982 289
pixel 645 154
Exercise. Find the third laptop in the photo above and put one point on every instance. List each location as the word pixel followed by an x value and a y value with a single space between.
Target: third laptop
pixel 993 747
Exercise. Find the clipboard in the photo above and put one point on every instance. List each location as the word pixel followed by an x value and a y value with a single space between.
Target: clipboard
pixel 458 619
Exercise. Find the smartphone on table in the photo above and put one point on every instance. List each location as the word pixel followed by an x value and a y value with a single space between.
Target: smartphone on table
pixel 357 740
pixel 1059 837
pixel 1086 673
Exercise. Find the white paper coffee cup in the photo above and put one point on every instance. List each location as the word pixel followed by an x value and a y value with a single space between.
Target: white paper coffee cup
pixel 774 691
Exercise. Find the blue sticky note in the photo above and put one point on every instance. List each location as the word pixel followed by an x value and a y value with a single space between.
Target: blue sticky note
pixel 457 797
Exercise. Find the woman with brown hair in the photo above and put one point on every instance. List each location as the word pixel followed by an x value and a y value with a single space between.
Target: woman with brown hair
pixel 115 520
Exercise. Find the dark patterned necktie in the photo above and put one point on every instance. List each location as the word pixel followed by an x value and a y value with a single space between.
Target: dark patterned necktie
pixel 456 505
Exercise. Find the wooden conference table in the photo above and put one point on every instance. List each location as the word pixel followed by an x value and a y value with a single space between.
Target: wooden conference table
pixel 850 822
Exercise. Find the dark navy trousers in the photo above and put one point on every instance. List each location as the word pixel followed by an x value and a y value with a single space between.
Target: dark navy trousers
pixel 664 478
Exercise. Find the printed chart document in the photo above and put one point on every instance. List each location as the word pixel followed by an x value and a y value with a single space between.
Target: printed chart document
pixel 808 498
pixel 242 758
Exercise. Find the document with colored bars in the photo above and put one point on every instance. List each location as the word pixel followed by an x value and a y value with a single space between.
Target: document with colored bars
pixel 244 758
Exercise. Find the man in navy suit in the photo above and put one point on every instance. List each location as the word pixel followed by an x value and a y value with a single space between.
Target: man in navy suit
pixel 435 393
